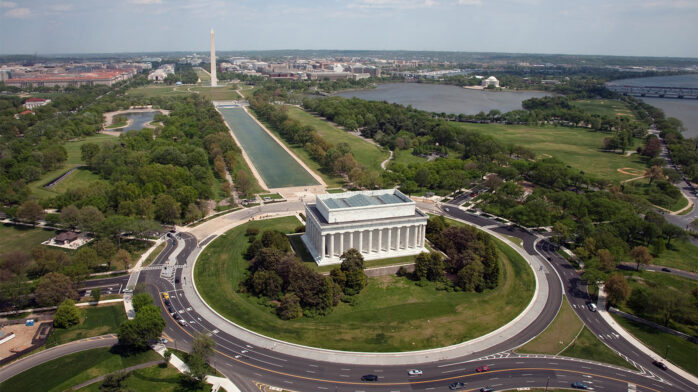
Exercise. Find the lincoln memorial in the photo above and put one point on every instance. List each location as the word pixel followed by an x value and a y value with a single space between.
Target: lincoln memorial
pixel 380 224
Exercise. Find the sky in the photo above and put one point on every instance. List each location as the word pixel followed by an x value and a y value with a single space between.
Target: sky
pixel 603 27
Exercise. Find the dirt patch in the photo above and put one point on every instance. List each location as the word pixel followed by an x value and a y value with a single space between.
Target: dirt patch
pixel 22 340
pixel 631 171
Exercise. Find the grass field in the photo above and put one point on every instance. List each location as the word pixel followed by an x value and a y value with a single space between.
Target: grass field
pixel 203 75
pixel 405 157
pixel 154 378
pixel 581 149
pixel 391 314
pixel 366 153
pixel 78 179
pixel 642 188
pixel 559 334
pixel 681 352
pixel 73 150
pixel 24 238
pixel 588 346
pixel 97 320
pixel 682 255
pixel 221 93
pixel 70 370
pixel 604 107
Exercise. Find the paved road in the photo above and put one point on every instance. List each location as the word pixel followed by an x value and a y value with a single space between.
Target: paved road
pixel 660 269
pixel 30 361
pixel 236 358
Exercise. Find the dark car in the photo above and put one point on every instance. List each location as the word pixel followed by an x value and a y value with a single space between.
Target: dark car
pixel 168 303
pixel 486 389
pixel 176 316
pixel 456 385
pixel 659 364
pixel 665 269
pixel 170 310
pixel 369 377
pixel 580 385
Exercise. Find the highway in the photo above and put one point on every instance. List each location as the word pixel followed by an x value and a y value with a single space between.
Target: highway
pixel 246 364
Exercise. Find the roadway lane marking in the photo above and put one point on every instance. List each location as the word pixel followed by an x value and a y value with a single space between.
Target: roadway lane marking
pixel 454 370
pixel 315 366
pixel 322 388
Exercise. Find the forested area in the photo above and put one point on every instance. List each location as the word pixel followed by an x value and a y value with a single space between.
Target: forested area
pixel 276 274
pixel 183 73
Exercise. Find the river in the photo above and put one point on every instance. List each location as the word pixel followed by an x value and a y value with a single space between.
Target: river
pixel 442 98
pixel 685 110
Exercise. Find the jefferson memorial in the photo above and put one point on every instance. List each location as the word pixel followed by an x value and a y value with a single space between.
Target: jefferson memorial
pixel 379 224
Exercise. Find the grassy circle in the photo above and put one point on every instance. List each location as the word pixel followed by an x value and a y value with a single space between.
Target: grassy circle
pixel 391 314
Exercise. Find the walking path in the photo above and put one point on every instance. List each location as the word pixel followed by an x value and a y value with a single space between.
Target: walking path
pixel 635 342
pixel 384 164
pixel 511 329
pixel 126 370
pixel 216 382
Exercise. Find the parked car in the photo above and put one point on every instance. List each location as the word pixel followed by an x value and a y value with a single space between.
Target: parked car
pixel 182 322
pixel 414 372
pixel 482 369
pixel 580 385
pixel 165 296
pixel 665 269
pixel 163 340
pixel 456 385
pixel 369 377
pixel 660 365
pixel 167 302
pixel 592 306
pixel 486 389
pixel 176 316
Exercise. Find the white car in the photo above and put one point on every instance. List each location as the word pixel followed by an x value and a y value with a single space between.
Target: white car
pixel 414 372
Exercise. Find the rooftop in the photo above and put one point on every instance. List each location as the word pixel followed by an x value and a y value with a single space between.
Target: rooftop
pixel 363 199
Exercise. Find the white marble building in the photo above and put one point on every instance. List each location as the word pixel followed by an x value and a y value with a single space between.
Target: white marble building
pixel 380 224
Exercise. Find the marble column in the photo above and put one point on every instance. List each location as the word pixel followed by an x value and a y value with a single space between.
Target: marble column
pixel 390 237
pixel 370 241
pixel 331 245
pixel 361 241
pixel 341 243
pixel 351 239
pixel 324 251
pixel 380 241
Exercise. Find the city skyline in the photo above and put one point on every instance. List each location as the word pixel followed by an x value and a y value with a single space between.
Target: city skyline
pixel 626 27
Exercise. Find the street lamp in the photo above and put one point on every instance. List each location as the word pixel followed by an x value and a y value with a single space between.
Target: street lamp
pixel 666 353
pixel 546 384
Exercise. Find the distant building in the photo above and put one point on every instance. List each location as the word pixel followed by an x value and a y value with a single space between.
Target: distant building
pixel 66 238
pixel 32 103
pixel 161 73
pixel 98 77
pixel 379 224
pixel 490 82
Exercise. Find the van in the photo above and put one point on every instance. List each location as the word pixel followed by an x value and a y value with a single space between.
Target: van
pixel 592 306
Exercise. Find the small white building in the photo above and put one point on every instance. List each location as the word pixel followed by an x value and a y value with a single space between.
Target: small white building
pixel 379 224
pixel 490 82
pixel 161 73
pixel 32 103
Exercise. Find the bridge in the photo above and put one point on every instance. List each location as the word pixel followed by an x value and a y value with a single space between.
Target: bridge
pixel 656 91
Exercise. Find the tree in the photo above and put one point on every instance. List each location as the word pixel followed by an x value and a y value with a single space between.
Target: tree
pixel 470 277
pixel 167 209
pixel 655 173
pixel 166 356
pixel 67 315
pixel 617 289
pixel 242 182
pixel 147 326
pixel 672 232
pixel 290 307
pixel 202 346
pixel 89 151
pixel 351 260
pixel 30 211
pixel 641 255
pixel 422 177
pixel 561 232
pixel 96 294
pixel 90 218
pixel 53 288
pixel 122 259
pixel 86 256
pixel 105 248
pixel 606 261
pixel 70 216
pixel 429 266
pixel 141 300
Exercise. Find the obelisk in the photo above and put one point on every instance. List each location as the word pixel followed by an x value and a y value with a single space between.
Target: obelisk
pixel 214 79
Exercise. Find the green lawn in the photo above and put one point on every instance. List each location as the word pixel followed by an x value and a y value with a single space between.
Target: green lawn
pixel 579 148
pixel 97 320
pixel 80 178
pixel 151 257
pixel 24 238
pixel 604 107
pixel 68 371
pixel 154 378
pixel 405 157
pixel 588 346
pixel 273 196
pixel 73 150
pixel 653 194
pixel 681 352
pixel 681 255
pixel 336 190
pixel 367 154
pixel 559 334
pixel 203 75
pixel 391 314
pixel 222 93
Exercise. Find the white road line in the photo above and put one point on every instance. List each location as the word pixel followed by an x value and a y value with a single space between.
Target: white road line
pixel 343 375
pixel 311 365
pixel 454 370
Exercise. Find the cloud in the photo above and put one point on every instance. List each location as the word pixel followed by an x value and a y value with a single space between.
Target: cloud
pixel 7 4
pixel 394 4
pixel 470 2
pixel 60 7
pixel 145 1
pixel 18 13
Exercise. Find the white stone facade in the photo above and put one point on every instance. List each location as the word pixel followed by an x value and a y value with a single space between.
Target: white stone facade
pixel 379 224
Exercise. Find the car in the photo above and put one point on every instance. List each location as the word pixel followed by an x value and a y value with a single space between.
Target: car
pixel 182 322
pixel 170 310
pixel 660 365
pixel 580 385
pixel 483 369
pixel 665 269
pixel 163 340
pixel 592 306
pixel 369 377
pixel 414 372
pixel 456 385
pixel 165 296
pixel 486 389
pixel 168 303
pixel 176 316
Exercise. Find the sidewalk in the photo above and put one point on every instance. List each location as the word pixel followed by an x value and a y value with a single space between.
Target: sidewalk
pixel 511 329
pixel 635 342
pixel 216 382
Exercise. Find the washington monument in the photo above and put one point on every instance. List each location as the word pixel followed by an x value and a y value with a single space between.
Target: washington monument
pixel 214 79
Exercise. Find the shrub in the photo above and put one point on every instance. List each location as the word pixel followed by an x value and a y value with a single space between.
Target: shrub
pixel 67 315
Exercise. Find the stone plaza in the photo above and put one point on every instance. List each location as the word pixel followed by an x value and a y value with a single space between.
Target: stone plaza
pixel 380 224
